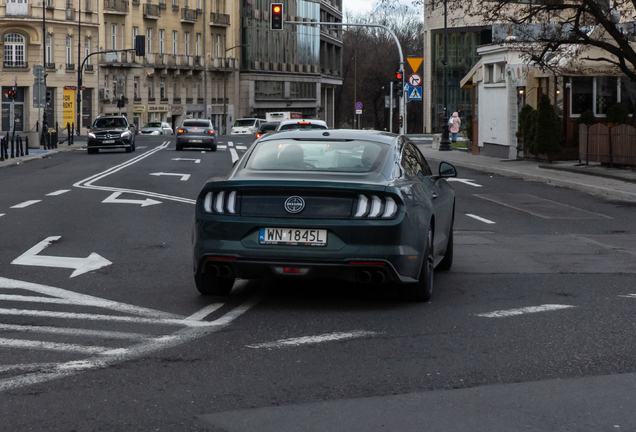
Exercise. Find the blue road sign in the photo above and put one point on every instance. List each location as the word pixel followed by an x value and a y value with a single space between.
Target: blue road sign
pixel 415 93
pixel 358 105
pixel 407 87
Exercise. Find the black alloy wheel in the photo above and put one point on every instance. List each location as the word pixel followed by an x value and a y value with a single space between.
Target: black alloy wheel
pixel 422 290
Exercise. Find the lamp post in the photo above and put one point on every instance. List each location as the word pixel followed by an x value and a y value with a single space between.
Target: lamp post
pixel 78 127
pixel 444 144
pixel 44 119
pixel 225 87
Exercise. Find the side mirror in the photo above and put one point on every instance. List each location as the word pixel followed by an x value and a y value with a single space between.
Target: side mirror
pixel 447 170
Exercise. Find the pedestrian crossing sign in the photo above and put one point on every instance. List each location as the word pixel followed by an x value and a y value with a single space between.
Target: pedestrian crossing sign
pixel 415 93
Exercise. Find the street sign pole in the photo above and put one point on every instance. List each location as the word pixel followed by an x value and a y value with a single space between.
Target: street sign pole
pixel 391 107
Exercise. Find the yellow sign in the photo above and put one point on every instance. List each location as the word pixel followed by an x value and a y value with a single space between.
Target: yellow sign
pixel 157 108
pixel 415 62
pixel 137 109
pixel 68 107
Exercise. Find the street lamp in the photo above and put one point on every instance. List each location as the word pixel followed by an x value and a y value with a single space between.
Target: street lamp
pixel 225 87
pixel 444 144
pixel 79 71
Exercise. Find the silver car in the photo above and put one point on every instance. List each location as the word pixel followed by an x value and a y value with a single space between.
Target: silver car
pixel 156 128
pixel 196 133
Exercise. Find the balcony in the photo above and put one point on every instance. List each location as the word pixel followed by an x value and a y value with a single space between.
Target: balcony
pixel 152 11
pixel 88 68
pixel 163 100
pixel 162 4
pixel 175 5
pixel 198 61
pixel 189 100
pixel 70 66
pixel 219 19
pixel 176 100
pixel 50 66
pixel 151 99
pixel 189 15
pixel 15 64
pixel 116 7
pixel 199 100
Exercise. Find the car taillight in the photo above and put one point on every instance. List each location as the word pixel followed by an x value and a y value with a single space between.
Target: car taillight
pixel 258 135
pixel 220 202
pixel 182 131
pixel 211 131
pixel 375 206
pixel 304 122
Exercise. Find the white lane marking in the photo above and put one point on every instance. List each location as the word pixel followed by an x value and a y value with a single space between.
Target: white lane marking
pixel 628 296
pixel 465 181
pixel 204 312
pixel 99 317
pixel 73 332
pixel 141 147
pixel 28 366
pixel 118 356
pixel 25 204
pixel 84 299
pixel 305 340
pixel 2 214
pixel 230 144
pixel 60 192
pixel 235 155
pixel 87 183
pixel 144 203
pixel 526 310
pixel 52 346
pixel 36 299
pixel 79 265
pixel 187 159
pixel 221 147
pixel 480 218
pixel 203 151
pixel 241 147
pixel 184 177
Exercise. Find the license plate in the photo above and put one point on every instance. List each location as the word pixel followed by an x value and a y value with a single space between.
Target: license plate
pixel 109 142
pixel 196 141
pixel 293 236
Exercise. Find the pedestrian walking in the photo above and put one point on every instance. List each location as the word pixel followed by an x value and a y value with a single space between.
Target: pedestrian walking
pixel 455 122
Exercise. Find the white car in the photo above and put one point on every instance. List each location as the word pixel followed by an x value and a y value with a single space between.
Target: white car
pixel 301 124
pixel 246 126
pixel 156 128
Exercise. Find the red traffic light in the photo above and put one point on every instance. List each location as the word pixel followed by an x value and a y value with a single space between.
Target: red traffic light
pixel 399 75
pixel 276 16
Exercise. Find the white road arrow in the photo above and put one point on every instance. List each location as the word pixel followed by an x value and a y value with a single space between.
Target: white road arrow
pixel 113 199
pixel 80 265
pixel 465 181
pixel 186 159
pixel 184 177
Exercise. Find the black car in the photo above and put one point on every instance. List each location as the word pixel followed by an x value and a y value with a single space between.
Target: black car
pixel 266 127
pixel 359 206
pixel 196 133
pixel 111 132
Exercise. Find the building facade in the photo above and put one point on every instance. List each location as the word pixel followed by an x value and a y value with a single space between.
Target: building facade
pixel 295 69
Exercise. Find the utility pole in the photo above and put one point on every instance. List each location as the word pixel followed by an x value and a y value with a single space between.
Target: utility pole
pixel 78 125
pixel 444 144
pixel 224 125
pixel 44 119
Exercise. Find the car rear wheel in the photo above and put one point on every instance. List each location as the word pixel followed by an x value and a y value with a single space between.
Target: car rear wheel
pixel 213 147
pixel 422 290
pixel 447 262
pixel 179 148
pixel 213 285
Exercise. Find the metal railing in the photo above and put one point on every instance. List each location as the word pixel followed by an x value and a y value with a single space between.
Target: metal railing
pixel 116 6
pixel 152 11
pixel 219 18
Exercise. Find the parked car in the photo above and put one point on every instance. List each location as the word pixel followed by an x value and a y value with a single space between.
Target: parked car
pixel 301 124
pixel 111 132
pixel 246 126
pixel 266 127
pixel 196 133
pixel 357 206
pixel 156 128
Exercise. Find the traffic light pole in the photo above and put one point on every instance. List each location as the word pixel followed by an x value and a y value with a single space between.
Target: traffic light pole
pixel 402 108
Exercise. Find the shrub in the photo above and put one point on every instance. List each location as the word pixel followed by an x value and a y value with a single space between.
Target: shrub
pixel 547 136
pixel 617 114
pixel 525 133
pixel 469 127
pixel 587 118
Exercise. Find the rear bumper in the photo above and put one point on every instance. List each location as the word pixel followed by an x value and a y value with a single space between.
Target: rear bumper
pixel 202 141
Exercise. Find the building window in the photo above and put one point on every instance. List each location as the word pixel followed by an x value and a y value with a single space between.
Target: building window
pixel 162 90
pixel 49 48
pixel 199 93
pixel 268 89
pixel 217 46
pixel 113 36
pixel 87 49
pixel 606 94
pixel 136 88
pixel 582 94
pixel 149 40
pixel 302 90
pixel 14 50
pixel 135 32
pixel 186 41
pixel 149 89
pixel 161 41
pixel 69 50
pixel 175 89
pixel 197 46
pixel 174 42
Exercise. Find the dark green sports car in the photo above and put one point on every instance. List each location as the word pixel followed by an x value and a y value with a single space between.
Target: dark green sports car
pixel 358 206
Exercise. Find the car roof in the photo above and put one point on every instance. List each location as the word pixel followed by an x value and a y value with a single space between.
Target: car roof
pixel 334 134
pixel 295 121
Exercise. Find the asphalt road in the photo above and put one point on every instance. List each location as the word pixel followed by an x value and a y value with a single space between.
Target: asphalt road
pixel 532 329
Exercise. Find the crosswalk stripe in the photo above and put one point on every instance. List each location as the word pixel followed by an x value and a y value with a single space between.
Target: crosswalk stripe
pixel 74 332
pixel 52 346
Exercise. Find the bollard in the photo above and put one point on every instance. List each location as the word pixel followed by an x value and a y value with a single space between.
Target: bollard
pixel 55 140
pixel 72 135
pixel 21 146
pixel 12 148
pixel 26 146
pixel 1 149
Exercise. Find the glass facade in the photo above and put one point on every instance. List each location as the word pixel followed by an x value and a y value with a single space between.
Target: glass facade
pixel 462 56
pixel 293 45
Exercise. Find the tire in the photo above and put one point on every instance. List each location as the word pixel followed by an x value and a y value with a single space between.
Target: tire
pixel 213 147
pixel 213 285
pixel 447 262
pixel 422 290
pixel 179 148
pixel 129 149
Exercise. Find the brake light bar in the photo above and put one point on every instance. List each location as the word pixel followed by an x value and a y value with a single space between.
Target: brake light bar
pixel 304 122
pixel 220 202
pixel 375 207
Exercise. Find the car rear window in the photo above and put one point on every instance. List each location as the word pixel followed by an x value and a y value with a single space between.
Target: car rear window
pixel 331 155
pixel 245 123
pixel 269 126
pixel 302 126
pixel 157 125
pixel 197 123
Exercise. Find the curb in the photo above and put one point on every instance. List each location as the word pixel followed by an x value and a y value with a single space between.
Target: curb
pixel 590 173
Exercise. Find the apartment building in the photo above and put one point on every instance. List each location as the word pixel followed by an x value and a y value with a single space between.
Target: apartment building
pixel 188 71
pixel 296 69
pixel 24 45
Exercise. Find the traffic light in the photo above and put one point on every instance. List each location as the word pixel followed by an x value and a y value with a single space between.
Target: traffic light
pixel 12 94
pixel 398 89
pixel 121 102
pixel 140 45
pixel 399 75
pixel 276 16
pixel 400 121
pixel 48 98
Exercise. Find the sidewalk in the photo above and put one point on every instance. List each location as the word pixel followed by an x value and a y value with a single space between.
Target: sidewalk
pixel 78 143
pixel 613 183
